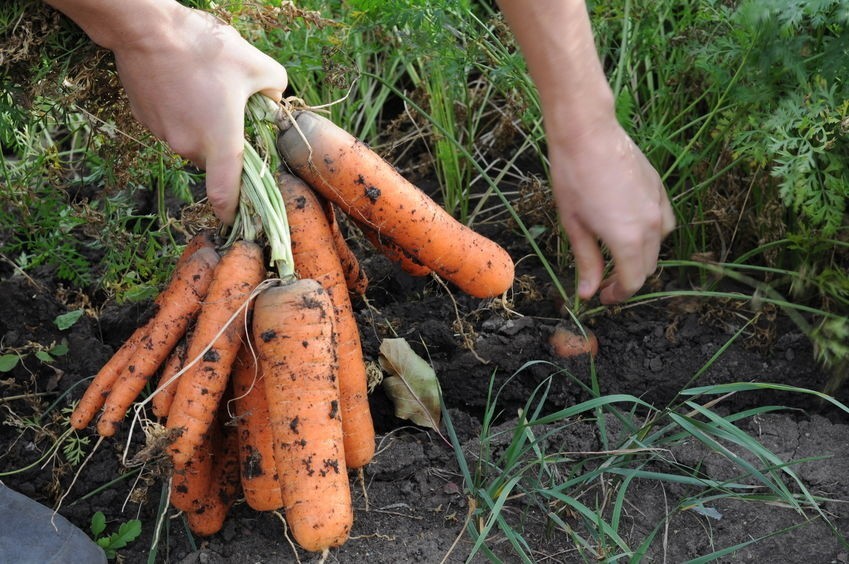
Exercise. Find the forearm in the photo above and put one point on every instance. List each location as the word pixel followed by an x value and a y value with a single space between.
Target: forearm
pixel 110 22
pixel 557 42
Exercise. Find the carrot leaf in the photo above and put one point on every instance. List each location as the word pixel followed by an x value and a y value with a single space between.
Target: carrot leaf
pixel 412 385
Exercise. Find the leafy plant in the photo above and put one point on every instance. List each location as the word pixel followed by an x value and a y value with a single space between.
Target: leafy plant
pixel 126 533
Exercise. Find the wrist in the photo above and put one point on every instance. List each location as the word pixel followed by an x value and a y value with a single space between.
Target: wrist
pixel 568 120
pixel 112 23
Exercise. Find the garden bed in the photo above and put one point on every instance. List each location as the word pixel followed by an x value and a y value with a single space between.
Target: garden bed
pixel 413 504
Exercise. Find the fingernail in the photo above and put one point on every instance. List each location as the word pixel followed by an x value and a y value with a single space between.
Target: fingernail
pixel 583 288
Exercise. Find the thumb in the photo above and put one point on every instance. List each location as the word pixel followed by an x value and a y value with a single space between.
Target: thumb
pixel 223 179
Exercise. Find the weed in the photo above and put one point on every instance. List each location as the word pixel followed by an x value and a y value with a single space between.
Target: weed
pixel 126 533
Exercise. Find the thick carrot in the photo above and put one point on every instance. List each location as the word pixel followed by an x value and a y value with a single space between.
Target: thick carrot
pixel 198 241
pixel 187 275
pixel 208 518
pixel 161 402
pixel 177 305
pixel 371 191
pixel 201 386
pixel 256 441
pixel 192 480
pixel 315 257
pixel 293 328
pixel 355 277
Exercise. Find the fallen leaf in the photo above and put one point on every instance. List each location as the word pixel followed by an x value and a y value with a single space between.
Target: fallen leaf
pixel 411 384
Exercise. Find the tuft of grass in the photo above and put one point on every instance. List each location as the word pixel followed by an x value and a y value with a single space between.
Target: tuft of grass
pixel 524 466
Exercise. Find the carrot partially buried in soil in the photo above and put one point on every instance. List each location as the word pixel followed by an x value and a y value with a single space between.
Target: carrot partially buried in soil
pixel 566 344
pixel 293 328
pixel 203 383
pixel 373 193
pixel 124 376
pixel 258 470
pixel 315 258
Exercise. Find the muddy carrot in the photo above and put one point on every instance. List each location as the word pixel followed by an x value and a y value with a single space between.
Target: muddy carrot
pixel 191 480
pixel 122 381
pixel 201 386
pixel 256 441
pixel 315 257
pixel 371 191
pixel 208 518
pixel 180 297
pixel 293 328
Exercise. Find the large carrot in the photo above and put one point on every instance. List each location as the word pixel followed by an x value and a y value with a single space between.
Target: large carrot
pixel 259 478
pixel 181 280
pixel 208 518
pixel 293 328
pixel 201 386
pixel 177 306
pixel 315 257
pixel 371 191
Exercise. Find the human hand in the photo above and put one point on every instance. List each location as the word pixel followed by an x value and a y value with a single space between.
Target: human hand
pixel 607 190
pixel 188 81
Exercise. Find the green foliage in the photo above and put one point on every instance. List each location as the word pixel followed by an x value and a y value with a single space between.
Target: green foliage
pixel 126 533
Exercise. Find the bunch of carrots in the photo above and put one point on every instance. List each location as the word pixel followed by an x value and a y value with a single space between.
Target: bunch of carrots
pixel 261 377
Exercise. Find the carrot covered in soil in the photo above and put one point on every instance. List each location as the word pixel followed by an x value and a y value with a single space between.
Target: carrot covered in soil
pixel 191 481
pixel 293 328
pixel 175 307
pixel 200 388
pixel 208 517
pixel 315 258
pixel 373 193
pixel 259 478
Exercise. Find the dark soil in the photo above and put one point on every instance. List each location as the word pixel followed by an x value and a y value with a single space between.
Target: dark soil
pixel 412 505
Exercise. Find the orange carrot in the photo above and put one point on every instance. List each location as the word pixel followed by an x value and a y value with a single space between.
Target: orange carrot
pixel 293 328
pixel 355 276
pixel 315 257
pixel 200 388
pixel 208 518
pixel 371 191
pixel 191 481
pixel 176 306
pixel 189 276
pixel 161 402
pixel 256 441
pixel 198 241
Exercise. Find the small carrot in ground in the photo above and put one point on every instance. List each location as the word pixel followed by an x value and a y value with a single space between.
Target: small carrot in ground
pixel 200 388
pixel 208 518
pixel 177 303
pixel 355 276
pixel 293 328
pixel 161 402
pixel 259 478
pixel 315 258
pixel 372 192
pixel 566 344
